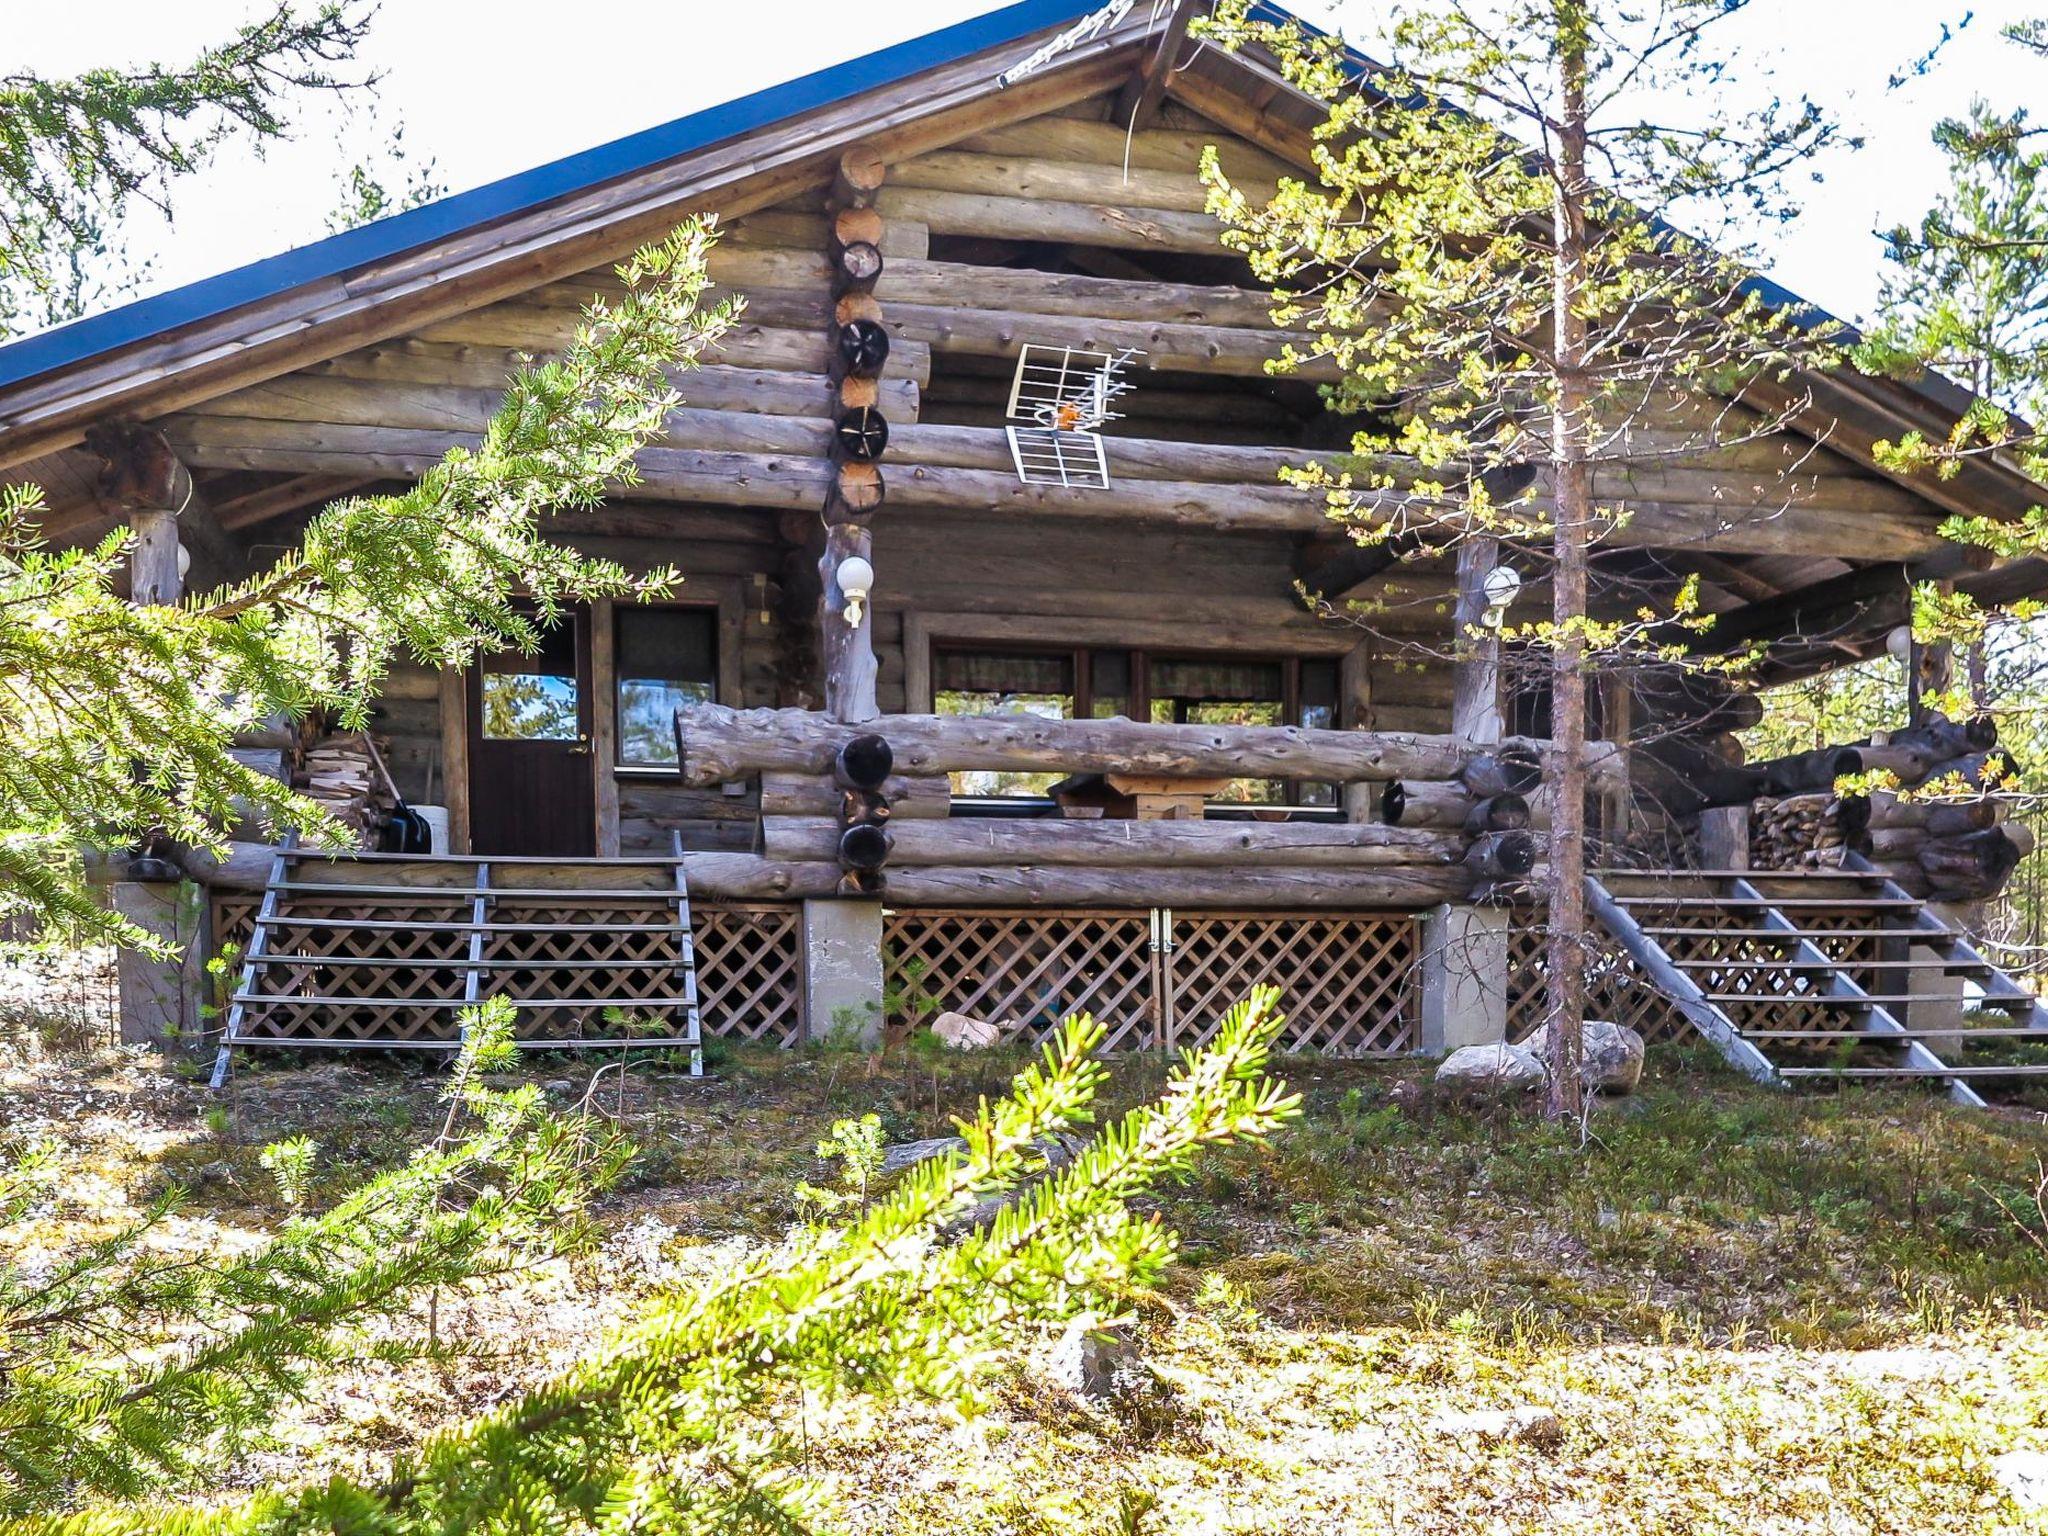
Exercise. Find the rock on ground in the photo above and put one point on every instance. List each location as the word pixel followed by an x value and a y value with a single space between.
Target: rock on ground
pixel 2024 1477
pixel 1498 1068
pixel 1612 1059
pixel 1094 1361
pixel 1490 1426
pixel 963 1032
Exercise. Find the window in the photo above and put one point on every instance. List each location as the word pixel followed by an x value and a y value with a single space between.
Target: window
pixel 533 698
pixel 667 657
pixel 1098 684
pixel 1042 683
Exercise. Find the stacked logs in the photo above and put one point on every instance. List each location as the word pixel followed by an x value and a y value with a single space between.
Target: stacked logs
pixel 1052 861
pixel 343 775
pixel 860 433
pixel 1942 834
pixel 1809 830
pixel 1488 801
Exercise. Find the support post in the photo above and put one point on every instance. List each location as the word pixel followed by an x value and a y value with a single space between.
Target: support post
pixel 454 692
pixel 1724 837
pixel 1464 978
pixel 160 998
pixel 843 970
pixel 1354 713
pixel 1475 685
pixel 1937 995
pixel 1930 671
pixel 604 724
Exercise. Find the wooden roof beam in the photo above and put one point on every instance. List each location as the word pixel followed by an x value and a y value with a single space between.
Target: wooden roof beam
pixel 1138 103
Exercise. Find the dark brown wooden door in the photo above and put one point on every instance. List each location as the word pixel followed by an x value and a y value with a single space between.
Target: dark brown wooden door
pixel 531 784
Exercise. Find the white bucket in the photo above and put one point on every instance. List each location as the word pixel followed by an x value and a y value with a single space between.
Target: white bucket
pixel 436 818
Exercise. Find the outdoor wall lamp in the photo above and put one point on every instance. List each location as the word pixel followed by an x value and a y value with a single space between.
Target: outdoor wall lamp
pixel 1502 586
pixel 856 580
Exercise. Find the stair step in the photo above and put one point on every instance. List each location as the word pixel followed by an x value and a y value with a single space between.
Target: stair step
pixel 1744 963
pixel 1929 937
pixel 258 999
pixel 1831 1000
pixel 1740 874
pixel 1757 903
pixel 1964 1034
pixel 2026 1069
pixel 562 895
pixel 400 925
pixel 459 964
pixel 305 856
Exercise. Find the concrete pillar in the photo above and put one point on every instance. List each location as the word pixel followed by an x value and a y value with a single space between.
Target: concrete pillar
pixel 843 970
pixel 1937 995
pixel 1464 978
pixel 1724 837
pixel 160 999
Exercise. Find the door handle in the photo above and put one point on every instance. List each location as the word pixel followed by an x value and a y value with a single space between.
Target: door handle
pixel 581 748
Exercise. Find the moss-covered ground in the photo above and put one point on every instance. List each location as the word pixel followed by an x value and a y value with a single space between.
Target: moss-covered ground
pixel 1749 1312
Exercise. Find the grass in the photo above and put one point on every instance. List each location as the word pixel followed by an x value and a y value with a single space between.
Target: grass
pixel 1749 1312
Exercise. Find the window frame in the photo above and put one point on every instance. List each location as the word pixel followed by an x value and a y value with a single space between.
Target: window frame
pixel 716 611
pixel 1080 657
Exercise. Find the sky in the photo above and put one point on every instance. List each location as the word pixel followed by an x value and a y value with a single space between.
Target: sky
pixel 489 90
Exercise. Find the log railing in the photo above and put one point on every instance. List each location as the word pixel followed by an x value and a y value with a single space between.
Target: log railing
pixel 1052 861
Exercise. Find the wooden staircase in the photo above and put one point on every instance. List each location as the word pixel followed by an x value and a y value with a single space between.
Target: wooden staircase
pixel 1816 975
pixel 383 951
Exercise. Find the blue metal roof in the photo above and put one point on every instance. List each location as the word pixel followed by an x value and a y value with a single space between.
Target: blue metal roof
pixel 445 217
pixel 213 296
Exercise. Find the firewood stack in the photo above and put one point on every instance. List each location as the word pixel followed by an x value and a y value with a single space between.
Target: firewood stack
pixel 340 773
pixel 1805 831
pixel 1949 842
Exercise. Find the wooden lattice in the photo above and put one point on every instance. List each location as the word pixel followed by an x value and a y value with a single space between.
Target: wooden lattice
pixel 597 966
pixel 1616 988
pixel 1349 984
pixel 750 972
pixel 1024 971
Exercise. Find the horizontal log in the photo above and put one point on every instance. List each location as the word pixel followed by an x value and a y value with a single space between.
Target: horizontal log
pixel 542 329
pixel 1108 144
pixel 808 795
pixel 967 285
pixel 1408 888
pixel 1168 346
pixel 1019 218
pixel 971 841
pixel 1074 181
pixel 718 743
pixel 712 392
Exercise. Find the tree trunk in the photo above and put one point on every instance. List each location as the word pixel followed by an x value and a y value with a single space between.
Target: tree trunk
pixel 1565 1000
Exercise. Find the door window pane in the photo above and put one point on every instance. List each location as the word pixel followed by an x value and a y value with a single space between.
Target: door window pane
pixel 1003 683
pixel 533 698
pixel 667 658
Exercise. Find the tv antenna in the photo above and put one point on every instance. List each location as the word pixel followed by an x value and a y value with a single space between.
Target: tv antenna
pixel 1060 400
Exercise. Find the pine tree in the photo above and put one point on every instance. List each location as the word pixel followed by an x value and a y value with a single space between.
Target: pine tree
pixel 119 718
pixel 678 1425
pixel 1490 252
pixel 125 1368
pixel 74 152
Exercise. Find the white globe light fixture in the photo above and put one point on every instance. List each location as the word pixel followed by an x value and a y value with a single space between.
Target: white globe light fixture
pixel 1900 643
pixel 856 580
pixel 1502 586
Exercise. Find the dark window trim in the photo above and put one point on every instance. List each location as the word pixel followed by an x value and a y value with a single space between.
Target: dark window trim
pixel 620 767
pixel 1080 658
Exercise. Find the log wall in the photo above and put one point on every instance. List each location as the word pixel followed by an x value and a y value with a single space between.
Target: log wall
pixel 1194 547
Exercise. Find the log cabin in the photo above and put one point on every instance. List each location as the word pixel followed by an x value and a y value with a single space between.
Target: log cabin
pixel 1132 764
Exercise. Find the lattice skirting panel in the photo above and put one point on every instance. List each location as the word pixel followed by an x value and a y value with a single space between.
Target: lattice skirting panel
pixel 1025 971
pixel 1616 988
pixel 749 970
pixel 1349 982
